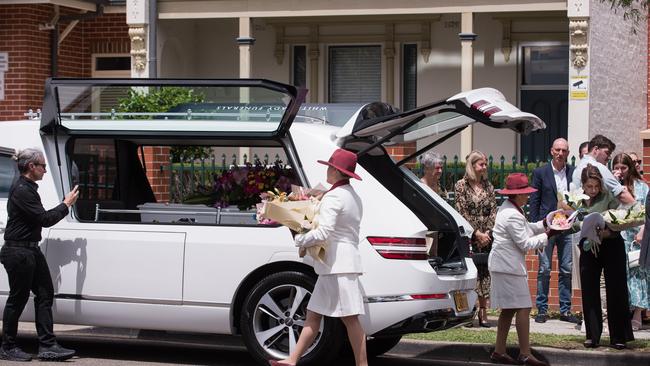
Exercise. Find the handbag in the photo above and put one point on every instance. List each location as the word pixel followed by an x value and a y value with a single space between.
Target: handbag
pixel 633 257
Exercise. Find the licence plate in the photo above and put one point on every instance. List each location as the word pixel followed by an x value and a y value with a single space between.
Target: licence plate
pixel 460 298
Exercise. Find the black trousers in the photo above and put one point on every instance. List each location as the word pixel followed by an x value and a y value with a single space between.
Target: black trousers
pixel 611 258
pixel 27 271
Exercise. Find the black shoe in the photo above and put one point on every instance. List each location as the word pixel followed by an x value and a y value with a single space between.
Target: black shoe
pixel 568 317
pixel 590 344
pixel 541 318
pixel 619 346
pixel 55 353
pixel 14 354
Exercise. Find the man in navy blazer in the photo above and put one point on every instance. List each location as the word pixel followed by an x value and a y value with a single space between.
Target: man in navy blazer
pixel 549 179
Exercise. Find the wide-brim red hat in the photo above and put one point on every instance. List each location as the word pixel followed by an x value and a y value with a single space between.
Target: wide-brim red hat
pixel 517 183
pixel 344 161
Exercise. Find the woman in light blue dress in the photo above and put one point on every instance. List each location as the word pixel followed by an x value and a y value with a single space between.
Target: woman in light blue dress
pixel 638 279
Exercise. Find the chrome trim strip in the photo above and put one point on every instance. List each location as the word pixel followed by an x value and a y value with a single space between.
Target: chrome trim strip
pixel 395 298
pixel 131 300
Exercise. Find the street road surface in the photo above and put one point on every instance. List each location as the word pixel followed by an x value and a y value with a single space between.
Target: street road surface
pixel 104 351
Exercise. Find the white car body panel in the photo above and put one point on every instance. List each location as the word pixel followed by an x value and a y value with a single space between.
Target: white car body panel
pixel 182 277
pixel 198 268
pixel 96 261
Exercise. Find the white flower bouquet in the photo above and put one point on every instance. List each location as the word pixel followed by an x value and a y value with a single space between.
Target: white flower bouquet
pixel 622 218
pixel 573 199
pixel 298 212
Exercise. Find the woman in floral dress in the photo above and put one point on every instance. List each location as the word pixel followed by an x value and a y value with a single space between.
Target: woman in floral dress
pixel 638 279
pixel 476 202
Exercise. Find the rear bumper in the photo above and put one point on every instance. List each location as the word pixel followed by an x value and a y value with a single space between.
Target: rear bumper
pixel 428 321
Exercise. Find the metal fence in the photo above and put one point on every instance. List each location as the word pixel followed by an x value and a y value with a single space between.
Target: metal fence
pixel 196 177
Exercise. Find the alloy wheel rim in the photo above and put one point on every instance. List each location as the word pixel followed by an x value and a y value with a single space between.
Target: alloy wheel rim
pixel 279 317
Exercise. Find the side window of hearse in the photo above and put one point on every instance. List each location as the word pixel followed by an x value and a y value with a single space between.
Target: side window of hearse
pixel 172 184
pixel 8 173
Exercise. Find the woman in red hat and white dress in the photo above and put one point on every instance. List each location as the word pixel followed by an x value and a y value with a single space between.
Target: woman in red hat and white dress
pixel 513 237
pixel 337 292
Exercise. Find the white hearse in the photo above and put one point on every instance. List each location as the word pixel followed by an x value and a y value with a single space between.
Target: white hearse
pixel 120 259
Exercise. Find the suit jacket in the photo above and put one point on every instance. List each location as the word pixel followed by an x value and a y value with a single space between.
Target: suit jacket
pixel 545 199
pixel 339 218
pixel 513 237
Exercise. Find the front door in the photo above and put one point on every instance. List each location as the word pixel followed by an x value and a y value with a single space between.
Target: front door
pixel 543 92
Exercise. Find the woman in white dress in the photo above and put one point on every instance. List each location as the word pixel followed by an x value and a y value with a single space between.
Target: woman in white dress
pixel 337 292
pixel 513 236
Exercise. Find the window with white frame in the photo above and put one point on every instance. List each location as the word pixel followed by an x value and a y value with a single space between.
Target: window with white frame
pixel 110 66
pixel 354 74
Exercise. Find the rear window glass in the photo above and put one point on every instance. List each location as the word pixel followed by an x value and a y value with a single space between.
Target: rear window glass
pixel 8 173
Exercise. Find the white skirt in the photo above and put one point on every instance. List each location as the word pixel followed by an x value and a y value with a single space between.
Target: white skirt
pixel 337 295
pixel 509 291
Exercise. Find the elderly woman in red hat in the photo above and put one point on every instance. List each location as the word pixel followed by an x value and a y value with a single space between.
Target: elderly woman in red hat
pixel 513 237
pixel 337 292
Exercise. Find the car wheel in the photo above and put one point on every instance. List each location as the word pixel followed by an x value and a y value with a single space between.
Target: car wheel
pixel 378 346
pixel 274 314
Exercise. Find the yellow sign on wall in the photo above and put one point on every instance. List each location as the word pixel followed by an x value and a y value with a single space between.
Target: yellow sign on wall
pixel 579 87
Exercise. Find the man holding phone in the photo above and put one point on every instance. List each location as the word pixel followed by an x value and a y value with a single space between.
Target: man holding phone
pixel 24 262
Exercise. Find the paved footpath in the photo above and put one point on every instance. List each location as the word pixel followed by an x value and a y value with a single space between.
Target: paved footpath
pixel 437 352
pixel 479 353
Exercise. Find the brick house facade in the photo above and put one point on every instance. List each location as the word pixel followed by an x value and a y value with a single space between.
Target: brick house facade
pixel 29 51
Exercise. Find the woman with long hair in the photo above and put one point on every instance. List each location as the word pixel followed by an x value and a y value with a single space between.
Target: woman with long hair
pixel 610 258
pixel 476 202
pixel 638 279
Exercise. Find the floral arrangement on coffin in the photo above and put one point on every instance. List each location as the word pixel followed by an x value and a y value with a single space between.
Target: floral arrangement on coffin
pixel 242 185
pixel 622 219
pixel 297 210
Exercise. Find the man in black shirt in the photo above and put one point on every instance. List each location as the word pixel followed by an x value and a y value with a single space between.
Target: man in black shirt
pixel 25 263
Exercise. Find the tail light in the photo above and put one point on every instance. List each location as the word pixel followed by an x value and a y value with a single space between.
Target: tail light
pixel 399 248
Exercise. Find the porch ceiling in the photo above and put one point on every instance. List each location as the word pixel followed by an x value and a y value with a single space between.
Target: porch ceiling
pixel 110 6
pixel 195 9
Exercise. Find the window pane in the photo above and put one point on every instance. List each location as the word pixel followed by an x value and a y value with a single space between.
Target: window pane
pixel 546 65
pixel 354 74
pixel 300 66
pixel 93 166
pixel 144 105
pixel 106 63
pixel 8 173
pixel 409 76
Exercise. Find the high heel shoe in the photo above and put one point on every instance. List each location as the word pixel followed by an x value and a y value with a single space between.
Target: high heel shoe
pixel 279 363
pixel 636 325
pixel 502 358
pixel 529 360
pixel 482 318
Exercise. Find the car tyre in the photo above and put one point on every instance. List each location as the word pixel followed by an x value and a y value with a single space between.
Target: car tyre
pixel 273 315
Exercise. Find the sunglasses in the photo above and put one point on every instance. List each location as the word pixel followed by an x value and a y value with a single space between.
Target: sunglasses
pixel 43 165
